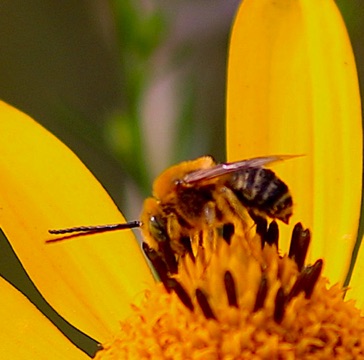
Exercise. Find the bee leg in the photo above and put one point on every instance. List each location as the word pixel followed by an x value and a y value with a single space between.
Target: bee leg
pixel 179 239
pixel 210 212
pixel 231 207
pixel 209 231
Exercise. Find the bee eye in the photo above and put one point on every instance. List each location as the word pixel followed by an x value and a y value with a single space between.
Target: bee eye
pixel 157 228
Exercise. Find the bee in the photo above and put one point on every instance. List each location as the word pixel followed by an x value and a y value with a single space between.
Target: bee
pixel 202 195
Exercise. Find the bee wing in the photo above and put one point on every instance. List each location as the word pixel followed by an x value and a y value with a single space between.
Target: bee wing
pixel 227 168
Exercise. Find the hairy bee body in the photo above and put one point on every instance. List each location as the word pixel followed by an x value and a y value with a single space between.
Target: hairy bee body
pixel 200 195
pixel 200 199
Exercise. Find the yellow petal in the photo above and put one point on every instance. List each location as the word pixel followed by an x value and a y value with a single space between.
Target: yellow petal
pixel 28 334
pixel 293 89
pixel 90 280
pixel 356 288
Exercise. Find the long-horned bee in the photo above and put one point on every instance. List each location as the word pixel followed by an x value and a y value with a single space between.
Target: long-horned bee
pixel 202 195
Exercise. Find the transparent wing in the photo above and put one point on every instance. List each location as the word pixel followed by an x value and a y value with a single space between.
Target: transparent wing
pixel 227 168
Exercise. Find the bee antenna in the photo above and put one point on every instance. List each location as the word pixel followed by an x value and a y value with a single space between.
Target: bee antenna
pixel 97 228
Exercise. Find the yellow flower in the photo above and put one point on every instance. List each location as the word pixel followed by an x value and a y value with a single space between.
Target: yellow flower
pixel 292 89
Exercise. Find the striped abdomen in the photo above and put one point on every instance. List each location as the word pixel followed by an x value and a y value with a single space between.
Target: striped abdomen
pixel 263 192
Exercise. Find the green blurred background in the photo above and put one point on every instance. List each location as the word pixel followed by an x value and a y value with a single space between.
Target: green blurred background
pixel 130 86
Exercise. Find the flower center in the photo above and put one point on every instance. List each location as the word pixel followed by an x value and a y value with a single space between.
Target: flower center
pixel 236 297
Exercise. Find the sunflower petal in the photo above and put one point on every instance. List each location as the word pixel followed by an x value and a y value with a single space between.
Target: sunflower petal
pixel 28 334
pixel 90 280
pixel 293 89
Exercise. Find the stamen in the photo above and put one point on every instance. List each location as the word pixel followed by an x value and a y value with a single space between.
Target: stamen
pixel 272 235
pixel 261 294
pixel 312 274
pixel 230 289
pixel 200 239
pixel 204 305
pixel 261 224
pixel 174 285
pixel 158 263
pixel 168 255
pixel 306 280
pixel 279 306
pixel 227 232
pixel 297 287
pixel 299 245
pixel 186 242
